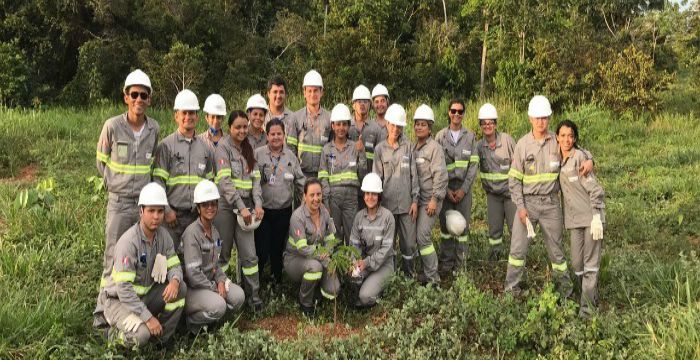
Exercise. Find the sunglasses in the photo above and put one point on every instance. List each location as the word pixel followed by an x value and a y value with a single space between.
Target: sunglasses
pixel 487 123
pixel 135 94
pixel 210 204
pixel 457 111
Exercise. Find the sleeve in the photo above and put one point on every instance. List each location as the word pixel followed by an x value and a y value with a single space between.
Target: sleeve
pixel 297 237
pixel 161 168
pixel 154 151
pixel 292 134
pixel 415 187
pixel 104 149
pixel 355 233
pixel 123 275
pixel 361 164
pixel 374 261
pixel 439 172
pixel 377 164
pixel 174 267
pixel 324 175
pixel 223 179
pixel 299 178
pixel 257 187
pixel 515 178
pixel 211 165
pixel 594 189
pixel 472 168
pixel 193 263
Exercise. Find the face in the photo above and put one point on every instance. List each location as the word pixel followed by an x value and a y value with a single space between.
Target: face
pixel 361 107
pixel 540 124
pixel 257 117
pixel 488 126
pixel 313 196
pixel 152 216
pixel 566 138
pixel 394 131
pixel 422 128
pixel 371 200
pixel 208 210
pixel 381 103
pixel 313 95
pixel 275 137
pixel 186 120
pixel 139 105
pixel 340 128
pixel 277 95
pixel 456 113
pixel 239 129
pixel 215 121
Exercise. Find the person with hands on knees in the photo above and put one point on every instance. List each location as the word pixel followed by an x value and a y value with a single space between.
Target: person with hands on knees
pixel 311 225
pixel 210 292
pixel 373 236
pixel 584 215
pixel 144 295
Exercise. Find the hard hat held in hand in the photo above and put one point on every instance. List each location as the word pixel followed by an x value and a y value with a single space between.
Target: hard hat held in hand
pixel 424 112
pixel 539 107
pixel 186 100
pixel 153 195
pixel 205 191
pixel 313 78
pixel 253 224
pixel 215 105
pixel 372 183
pixel 361 93
pixel 340 112
pixel 456 224
pixel 138 77
pixel 396 115
pixel 488 112
pixel 256 102
pixel 380 90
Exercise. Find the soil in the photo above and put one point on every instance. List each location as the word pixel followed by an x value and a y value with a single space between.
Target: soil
pixel 286 327
pixel 26 174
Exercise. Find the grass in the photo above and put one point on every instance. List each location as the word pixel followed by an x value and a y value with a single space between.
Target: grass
pixel 650 282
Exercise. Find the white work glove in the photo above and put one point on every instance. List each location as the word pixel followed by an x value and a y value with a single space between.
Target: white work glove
pixel 597 227
pixel 160 269
pixel 132 322
pixel 227 284
pixel 530 228
pixel 356 271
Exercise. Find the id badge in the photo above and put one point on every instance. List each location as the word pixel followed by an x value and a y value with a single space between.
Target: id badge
pixel 272 180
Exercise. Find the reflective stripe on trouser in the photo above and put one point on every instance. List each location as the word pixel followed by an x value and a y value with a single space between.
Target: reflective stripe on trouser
pixel 499 208
pixel 546 211
pixel 453 251
pixel 375 282
pixel 204 306
pixel 406 231
pixel 311 273
pixel 424 229
pixel 168 316
pixel 343 208
pixel 184 219
pixel 585 261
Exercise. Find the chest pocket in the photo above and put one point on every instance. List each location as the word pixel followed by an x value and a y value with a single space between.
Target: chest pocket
pixel 530 165
pixel 423 165
pixel 236 169
pixel 123 151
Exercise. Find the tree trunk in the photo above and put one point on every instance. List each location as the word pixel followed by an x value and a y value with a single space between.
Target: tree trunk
pixel 484 49
pixel 444 10
pixel 522 47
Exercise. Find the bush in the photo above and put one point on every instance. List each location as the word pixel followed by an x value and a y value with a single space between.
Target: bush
pixel 14 74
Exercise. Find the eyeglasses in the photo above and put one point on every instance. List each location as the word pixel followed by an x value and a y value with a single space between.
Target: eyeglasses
pixel 457 111
pixel 209 204
pixel 487 123
pixel 135 94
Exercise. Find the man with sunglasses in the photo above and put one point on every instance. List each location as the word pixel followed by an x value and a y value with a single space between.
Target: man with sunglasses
pixel 125 152
pixel 459 145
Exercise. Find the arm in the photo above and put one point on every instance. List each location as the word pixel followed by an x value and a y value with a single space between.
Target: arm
pixel 124 274
pixel 292 134
pixel 299 178
pixel 193 263
pixel 297 236
pixel 415 188
pixel 174 268
pixel 471 169
pixel 374 261
pixel 439 171
pixel 361 164
pixel 161 169
pixel 324 175
pixel 223 179
pixel 515 179
pixel 377 164
pixel 257 188
pixel 104 149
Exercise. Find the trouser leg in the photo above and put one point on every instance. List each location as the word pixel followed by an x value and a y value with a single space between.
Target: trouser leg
pixel 406 230
pixel 577 241
pixel 519 244
pixel 263 240
pixel 349 212
pixel 495 205
pixel 170 314
pixel 184 219
pixel 551 223
pixel 426 248
pixel 374 283
pixel 248 261
pixel 447 241
pixel 225 221
pixel 591 268
pixel 203 307
pixel 279 241
pixel 309 272
pixel 462 245
pixel 116 313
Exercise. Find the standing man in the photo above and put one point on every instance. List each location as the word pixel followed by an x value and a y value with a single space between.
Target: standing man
pixel 311 126
pixel 277 97
pixel 361 129
pixel 125 154
pixel 182 161
pixel 380 102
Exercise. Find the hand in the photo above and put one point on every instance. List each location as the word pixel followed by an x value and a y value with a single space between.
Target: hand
pixel 132 323
pixel 247 216
pixel 585 168
pixel 221 288
pixel 154 327
pixel 170 292
pixel 459 195
pixel 451 196
pixel 359 145
pixel 597 227
pixel 324 256
pixel 227 284
pixel 432 206
pixel 259 213
pixel 413 212
pixel 522 215
pixel 361 265
pixel 171 218
pixel 160 269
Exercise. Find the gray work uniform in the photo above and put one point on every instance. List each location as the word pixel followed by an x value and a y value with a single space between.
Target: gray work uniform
pixel 340 173
pixel 383 131
pixel 370 138
pixel 534 186
pixel 204 305
pixel 181 163
pixel 280 177
pixel 462 162
pixel 374 238
pixel 257 141
pixel 397 169
pixel 130 289
pixel 285 117
pixel 208 139
pixel 239 187
pixel 300 262
pixel 583 197
pixel 432 181
pixel 494 165
pixel 306 138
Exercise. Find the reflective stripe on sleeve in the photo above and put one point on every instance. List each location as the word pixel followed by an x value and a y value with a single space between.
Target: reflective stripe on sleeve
pixel 173 260
pixel 515 262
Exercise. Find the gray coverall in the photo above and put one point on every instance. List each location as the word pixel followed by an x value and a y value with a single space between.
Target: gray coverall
pixel 257 141
pixel 206 137
pixel 432 181
pixel 181 163
pixel 397 169
pixel 494 165
pixel 202 273
pixel 340 173
pixel 306 138
pixel 285 117
pixel 130 289
pixel 583 197
pixel 374 238
pixel 239 187
pixel 370 137
pixel 300 262
pixel 534 186
pixel 462 162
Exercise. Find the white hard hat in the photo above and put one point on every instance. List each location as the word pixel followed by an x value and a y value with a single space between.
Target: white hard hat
pixel 186 100
pixel 215 105
pixel 256 102
pixel 312 78
pixel 396 115
pixel 253 224
pixel 153 195
pixel 138 77
pixel 361 93
pixel 372 183
pixel 455 222
pixel 205 191
pixel 539 107
pixel 488 112
pixel 424 112
pixel 380 90
pixel 340 112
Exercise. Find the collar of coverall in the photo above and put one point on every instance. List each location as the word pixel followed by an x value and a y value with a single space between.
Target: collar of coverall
pixel 143 237
pixel 531 137
pixel 181 137
pixel 498 140
pixel 147 123
pixel 201 227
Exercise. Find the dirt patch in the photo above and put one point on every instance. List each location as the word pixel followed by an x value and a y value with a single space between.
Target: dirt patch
pixel 286 327
pixel 694 240
pixel 26 174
